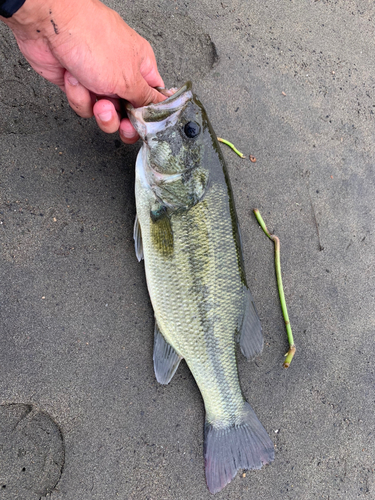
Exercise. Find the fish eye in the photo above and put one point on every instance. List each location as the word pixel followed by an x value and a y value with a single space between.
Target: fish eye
pixel 192 129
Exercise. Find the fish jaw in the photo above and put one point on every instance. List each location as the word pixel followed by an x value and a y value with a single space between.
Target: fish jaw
pixel 151 119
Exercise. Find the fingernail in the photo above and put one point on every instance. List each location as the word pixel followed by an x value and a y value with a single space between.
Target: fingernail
pixel 72 80
pixel 105 116
pixel 127 135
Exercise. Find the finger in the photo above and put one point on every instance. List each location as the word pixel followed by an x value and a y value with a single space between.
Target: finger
pixel 141 94
pixel 127 132
pixel 79 97
pixel 149 69
pixel 114 100
pixel 106 116
pixel 153 78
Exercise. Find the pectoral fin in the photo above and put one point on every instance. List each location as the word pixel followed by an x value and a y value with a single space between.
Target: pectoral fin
pixel 166 359
pixel 137 235
pixel 251 338
pixel 161 230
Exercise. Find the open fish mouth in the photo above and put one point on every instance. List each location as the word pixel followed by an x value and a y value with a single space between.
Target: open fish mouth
pixel 153 118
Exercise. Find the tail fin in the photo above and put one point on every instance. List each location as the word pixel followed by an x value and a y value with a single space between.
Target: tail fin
pixel 244 445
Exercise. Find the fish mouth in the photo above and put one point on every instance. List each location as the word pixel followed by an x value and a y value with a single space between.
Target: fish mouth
pixel 155 117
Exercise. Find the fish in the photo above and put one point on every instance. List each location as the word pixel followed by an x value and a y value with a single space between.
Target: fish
pixel 186 230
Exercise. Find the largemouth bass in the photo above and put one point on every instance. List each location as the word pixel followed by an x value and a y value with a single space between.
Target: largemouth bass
pixel 186 230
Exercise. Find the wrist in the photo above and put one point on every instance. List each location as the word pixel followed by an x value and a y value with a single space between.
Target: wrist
pixel 43 18
pixel 28 18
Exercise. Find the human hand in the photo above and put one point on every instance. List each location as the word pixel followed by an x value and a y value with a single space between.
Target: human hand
pixel 86 49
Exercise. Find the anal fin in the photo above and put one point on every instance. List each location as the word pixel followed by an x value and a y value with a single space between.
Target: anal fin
pixel 166 359
pixel 251 338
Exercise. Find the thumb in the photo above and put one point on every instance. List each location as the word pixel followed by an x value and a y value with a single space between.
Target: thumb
pixel 149 67
pixel 142 95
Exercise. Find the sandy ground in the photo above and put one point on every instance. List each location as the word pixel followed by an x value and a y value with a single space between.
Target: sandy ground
pixel 291 83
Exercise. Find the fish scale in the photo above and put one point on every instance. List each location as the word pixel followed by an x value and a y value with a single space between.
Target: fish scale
pixel 182 322
pixel 187 232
